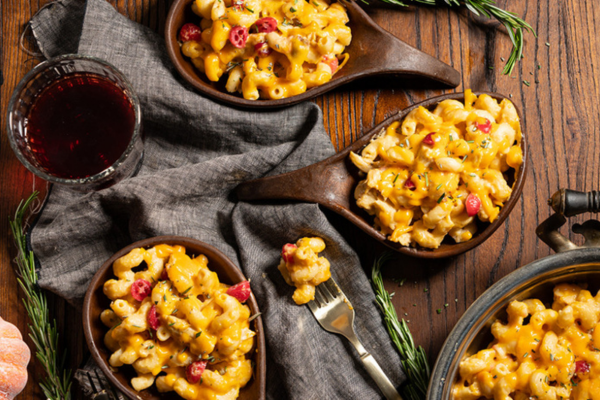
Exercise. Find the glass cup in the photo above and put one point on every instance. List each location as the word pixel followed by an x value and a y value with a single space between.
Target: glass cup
pixel 75 120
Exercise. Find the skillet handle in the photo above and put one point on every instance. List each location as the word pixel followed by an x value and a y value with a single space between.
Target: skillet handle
pixel 571 202
pixel 567 203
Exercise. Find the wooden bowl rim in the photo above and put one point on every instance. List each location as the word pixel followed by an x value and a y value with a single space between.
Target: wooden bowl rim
pixel 220 258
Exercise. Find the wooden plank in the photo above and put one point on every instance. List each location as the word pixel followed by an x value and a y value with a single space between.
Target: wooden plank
pixel 561 113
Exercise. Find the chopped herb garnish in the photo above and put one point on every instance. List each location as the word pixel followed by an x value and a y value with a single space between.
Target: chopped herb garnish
pixel 441 197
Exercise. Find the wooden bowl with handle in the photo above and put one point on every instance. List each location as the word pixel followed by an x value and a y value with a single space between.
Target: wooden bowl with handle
pixel 331 183
pixel 96 301
pixel 373 51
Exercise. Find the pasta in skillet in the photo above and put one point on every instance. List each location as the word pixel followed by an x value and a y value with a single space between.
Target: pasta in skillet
pixel 177 325
pixel 540 353
pixel 432 174
pixel 268 49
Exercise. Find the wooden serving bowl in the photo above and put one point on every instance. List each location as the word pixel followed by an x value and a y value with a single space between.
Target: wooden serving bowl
pixel 373 51
pixel 95 302
pixel 331 183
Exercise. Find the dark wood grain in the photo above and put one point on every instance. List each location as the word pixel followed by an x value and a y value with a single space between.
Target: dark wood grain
pixel 560 111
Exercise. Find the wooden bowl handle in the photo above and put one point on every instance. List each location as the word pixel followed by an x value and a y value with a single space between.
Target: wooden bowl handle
pixel 306 184
pixel 379 52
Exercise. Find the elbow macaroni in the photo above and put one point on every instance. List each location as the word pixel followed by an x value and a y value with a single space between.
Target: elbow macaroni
pixel 545 354
pixel 301 267
pixel 198 321
pixel 309 35
pixel 417 191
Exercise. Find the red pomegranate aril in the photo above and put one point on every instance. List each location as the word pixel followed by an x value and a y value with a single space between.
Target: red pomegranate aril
pixel 141 289
pixel 287 251
pixel 190 32
pixel 472 204
pixel 333 63
pixel 266 25
pixel 485 127
pixel 238 36
pixel 409 184
pixel 581 367
pixel 429 139
pixel 153 318
pixel 195 370
pixel 262 49
pixel 240 291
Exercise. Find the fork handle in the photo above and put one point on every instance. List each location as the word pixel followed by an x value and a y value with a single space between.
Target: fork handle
pixel 380 378
pixel 386 386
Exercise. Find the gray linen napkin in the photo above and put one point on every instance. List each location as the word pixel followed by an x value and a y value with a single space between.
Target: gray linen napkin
pixel 196 152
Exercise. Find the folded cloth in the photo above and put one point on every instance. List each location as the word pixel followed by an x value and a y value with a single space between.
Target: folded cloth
pixel 196 152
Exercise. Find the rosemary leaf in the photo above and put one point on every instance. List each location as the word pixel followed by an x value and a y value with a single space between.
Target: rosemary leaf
pixel 414 360
pixel 486 8
pixel 44 333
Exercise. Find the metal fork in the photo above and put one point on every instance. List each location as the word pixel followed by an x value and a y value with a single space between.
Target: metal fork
pixel 334 312
pixel 105 392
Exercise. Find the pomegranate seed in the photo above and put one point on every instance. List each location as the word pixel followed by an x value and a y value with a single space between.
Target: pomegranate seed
pixel 429 140
pixel 287 251
pixel 190 32
pixel 409 184
pixel 141 289
pixel 195 370
pixel 485 127
pixel 581 367
pixel 240 291
pixel 153 318
pixel 472 204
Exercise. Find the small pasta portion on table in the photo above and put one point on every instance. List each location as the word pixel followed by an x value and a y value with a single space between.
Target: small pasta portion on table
pixel 178 325
pixel 433 173
pixel 269 49
pixel 540 353
pixel 302 267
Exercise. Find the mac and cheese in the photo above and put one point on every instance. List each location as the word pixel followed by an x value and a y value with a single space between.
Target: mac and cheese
pixel 430 175
pixel 540 353
pixel 177 325
pixel 301 267
pixel 268 49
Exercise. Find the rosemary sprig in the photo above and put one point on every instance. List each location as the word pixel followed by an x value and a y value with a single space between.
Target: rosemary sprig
pixel 414 360
pixel 488 8
pixel 43 333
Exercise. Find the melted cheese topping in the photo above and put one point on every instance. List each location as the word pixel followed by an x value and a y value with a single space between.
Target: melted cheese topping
pixel 310 35
pixel 198 321
pixel 305 269
pixel 420 172
pixel 543 354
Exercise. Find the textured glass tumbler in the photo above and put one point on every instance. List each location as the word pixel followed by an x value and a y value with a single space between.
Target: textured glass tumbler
pixel 42 77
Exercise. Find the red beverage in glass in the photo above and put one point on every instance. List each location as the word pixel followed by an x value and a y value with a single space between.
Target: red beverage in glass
pixel 79 125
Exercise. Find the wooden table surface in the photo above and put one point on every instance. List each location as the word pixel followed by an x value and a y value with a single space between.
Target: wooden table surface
pixel 561 116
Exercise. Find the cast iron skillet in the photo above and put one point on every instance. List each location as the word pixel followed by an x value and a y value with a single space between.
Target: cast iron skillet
pixel 572 264
pixel 331 183
pixel 95 302
pixel 373 51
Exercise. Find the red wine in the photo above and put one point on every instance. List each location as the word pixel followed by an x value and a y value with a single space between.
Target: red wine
pixel 79 125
